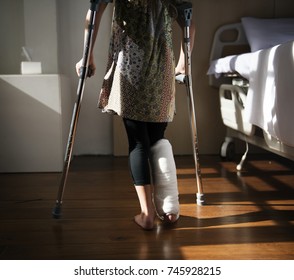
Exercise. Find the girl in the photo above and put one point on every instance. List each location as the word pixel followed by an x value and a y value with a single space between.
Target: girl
pixel 139 86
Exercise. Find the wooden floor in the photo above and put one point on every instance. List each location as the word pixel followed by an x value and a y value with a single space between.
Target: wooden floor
pixel 246 216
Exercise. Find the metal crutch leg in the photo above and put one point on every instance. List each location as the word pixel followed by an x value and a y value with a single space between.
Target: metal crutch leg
pixel 185 11
pixel 76 110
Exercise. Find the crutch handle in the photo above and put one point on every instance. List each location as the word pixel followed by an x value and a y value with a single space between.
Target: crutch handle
pixel 185 12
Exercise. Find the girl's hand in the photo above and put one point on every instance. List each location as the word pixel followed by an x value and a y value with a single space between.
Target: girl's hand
pixel 91 68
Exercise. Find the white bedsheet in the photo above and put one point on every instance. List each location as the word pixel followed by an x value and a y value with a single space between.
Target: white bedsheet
pixel 232 64
pixel 270 99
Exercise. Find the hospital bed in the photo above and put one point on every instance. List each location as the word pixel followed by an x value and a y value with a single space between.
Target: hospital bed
pixel 256 86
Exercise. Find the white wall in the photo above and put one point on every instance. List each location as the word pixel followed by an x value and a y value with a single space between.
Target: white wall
pixel 32 24
pixel 40 33
pixel 12 35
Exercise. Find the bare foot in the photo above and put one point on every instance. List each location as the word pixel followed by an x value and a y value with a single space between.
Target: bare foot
pixel 144 221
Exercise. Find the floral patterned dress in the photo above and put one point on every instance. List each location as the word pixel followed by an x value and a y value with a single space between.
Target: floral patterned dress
pixel 140 81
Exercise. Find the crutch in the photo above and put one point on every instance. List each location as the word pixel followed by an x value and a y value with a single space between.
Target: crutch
pixel 94 6
pixel 185 12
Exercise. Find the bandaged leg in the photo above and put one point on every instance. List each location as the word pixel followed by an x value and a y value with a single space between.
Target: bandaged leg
pixel 164 179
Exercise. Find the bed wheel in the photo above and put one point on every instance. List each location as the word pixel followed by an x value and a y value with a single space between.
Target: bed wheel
pixel 227 151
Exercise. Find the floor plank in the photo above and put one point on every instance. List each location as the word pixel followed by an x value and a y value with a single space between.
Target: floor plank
pixel 247 215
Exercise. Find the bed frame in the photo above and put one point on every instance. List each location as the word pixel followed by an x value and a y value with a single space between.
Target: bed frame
pixel 232 93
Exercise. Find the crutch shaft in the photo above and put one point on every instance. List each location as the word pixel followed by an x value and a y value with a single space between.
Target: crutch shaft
pixel 187 15
pixel 76 110
pixel 69 148
pixel 192 116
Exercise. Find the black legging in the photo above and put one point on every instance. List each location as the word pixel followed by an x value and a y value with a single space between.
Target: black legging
pixel 141 136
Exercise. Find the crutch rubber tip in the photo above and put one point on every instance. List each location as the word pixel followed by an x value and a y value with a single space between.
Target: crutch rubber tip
pixel 239 167
pixel 56 213
pixel 200 199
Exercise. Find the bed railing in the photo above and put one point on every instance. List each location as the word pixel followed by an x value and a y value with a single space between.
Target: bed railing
pixel 226 36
